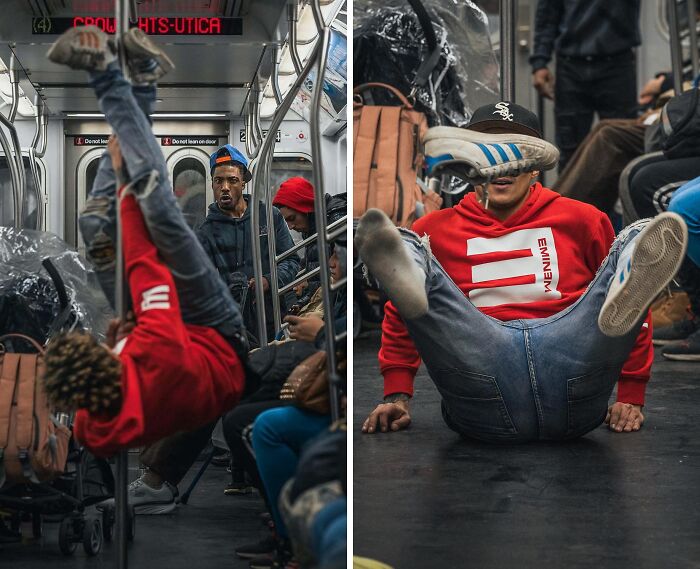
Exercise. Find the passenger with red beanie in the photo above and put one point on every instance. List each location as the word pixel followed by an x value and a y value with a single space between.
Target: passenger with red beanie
pixel 295 200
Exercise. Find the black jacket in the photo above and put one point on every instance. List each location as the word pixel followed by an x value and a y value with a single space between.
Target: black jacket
pixel 579 28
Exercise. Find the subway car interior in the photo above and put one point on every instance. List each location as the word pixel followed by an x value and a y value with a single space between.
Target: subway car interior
pixel 426 497
pixel 245 75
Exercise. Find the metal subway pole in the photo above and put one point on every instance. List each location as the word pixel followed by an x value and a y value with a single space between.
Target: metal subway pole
pixel 320 210
pixel 258 180
pixel 693 33
pixel 292 18
pixel 507 32
pixel 675 40
pixel 121 290
pixel 33 155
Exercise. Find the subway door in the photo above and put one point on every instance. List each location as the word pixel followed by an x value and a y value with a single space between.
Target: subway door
pixel 188 169
pixel 84 178
pixel 33 209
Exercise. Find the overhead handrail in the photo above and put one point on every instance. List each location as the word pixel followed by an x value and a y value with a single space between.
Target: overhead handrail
pixel 274 78
pixel 259 191
pixel 33 156
pixel 133 13
pixel 675 41
pixel 14 84
pixel 257 129
pixel 693 33
pixel 292 18
pixel 320 208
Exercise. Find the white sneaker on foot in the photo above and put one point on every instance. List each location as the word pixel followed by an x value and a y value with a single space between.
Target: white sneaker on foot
pixel 147 500
pixel 381 248
pixel 85 47
pixel 644 268
pixel 480 157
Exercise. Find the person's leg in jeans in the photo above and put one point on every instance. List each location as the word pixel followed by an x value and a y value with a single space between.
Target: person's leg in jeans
pixel 686 203
pixel 204 298
pixel 278 437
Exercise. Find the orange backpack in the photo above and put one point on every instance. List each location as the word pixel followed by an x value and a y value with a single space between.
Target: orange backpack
pixel 387 154
pixel 33 448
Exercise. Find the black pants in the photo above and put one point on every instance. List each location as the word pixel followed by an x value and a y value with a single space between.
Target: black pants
pixel 607 86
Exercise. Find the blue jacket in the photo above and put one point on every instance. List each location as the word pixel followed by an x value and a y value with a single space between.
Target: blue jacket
pixel 226 241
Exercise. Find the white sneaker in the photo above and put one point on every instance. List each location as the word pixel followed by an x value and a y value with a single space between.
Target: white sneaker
pixel 147 500
pixel 85 47
pixel 480 157
pixel 645 267
pixel 147 62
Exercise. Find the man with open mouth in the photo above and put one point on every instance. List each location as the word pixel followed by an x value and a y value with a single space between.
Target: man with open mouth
pixel 524 307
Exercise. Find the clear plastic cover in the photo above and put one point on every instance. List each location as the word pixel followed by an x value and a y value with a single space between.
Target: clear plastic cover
pixel 29 300
pixel 390 46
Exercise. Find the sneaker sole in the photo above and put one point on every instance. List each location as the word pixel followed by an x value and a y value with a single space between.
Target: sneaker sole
pixel 155 509
pixel 452 141
pixel 659 251
pixel 665 342
pixel 682 357
pixel 136 46
pixel 254 555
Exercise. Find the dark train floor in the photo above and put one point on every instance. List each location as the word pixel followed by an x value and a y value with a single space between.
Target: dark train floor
pixel 202 534
pixel 424 498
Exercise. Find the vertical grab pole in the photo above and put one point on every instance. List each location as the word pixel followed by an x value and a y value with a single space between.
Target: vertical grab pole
pixel 320 209
pixel 122 462
pixel 675 39
pixel 507 32
pixel 693 32
pixel 39 106
pixel 258 179
pixel 292 18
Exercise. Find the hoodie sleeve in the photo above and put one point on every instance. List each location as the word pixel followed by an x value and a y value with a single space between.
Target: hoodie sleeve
pixel 287 269
pixel 398 358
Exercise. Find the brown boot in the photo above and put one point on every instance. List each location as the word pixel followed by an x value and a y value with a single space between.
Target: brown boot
pixel 669 309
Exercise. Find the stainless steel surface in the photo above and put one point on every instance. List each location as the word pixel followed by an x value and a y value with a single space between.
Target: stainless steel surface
pixel 300 279
pixel 675 41
pixel 14 82
pixel 297 246
pixel 275 74
pixel 292 15
pixel 9 156
pixel 507 31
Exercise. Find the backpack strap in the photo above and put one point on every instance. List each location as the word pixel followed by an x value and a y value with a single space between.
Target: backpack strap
pixel 25 410
pixel 375 84
pixel 387 164
pixel 8 378
pixel 363 155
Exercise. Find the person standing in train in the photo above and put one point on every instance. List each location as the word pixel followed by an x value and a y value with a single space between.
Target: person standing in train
pixel 500 296
pixel 595 64
pixel 225 236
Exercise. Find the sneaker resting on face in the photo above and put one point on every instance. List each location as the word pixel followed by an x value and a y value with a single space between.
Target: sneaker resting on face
pixel 644 268
pixel 480 157
pixel 147 500
pixel 147 62
pixel 85 47
pixel 687 350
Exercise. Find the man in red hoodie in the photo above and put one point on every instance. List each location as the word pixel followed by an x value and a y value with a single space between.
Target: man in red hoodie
pixel 181 365
pixel 499 296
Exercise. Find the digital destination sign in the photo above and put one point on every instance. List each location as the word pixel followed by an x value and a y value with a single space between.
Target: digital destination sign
pixel 155 26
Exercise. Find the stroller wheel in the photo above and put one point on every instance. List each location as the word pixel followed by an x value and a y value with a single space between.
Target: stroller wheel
pixel 108 524
pixel 92 537
pixel 65 536
pixel 37 529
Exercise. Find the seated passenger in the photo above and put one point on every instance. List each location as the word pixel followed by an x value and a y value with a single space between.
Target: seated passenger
pixel 295 200
pixel 185 352
pixel 500 296
pixel 225 236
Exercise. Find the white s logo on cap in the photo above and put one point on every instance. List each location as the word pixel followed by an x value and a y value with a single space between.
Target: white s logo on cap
pixel 503 110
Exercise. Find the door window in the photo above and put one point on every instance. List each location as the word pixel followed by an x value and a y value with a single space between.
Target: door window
pixel 190 187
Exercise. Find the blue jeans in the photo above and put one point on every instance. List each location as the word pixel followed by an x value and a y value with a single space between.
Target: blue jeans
pixel 330 530
pixel 686 203
pixel 278 437
pixel 546 378
pixel 204 298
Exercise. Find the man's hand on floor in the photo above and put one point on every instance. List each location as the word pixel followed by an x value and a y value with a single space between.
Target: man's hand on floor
pixel 624 417
pixel 388 416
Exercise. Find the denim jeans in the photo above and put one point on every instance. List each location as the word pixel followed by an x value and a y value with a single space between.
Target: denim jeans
pixel 204 298
pixel 686 203
pixel 522 380
pixel 278 437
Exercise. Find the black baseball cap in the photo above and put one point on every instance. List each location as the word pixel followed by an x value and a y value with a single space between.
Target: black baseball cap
pixel 505 117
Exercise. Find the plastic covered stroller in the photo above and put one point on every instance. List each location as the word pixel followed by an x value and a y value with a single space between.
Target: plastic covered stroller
pixel 45 288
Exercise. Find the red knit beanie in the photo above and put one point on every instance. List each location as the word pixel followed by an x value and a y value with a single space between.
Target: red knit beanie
pixel 297 194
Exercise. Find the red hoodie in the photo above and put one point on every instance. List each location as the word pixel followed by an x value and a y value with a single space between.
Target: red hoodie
pixel 175 376
pixel 534 264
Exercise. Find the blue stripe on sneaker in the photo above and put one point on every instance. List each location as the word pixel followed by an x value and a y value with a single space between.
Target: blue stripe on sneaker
pixel 501 152
pixel 515 150
pixel 431 161
pixel 487 153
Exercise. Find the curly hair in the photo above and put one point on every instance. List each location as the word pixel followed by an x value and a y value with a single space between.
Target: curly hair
pixel 82 374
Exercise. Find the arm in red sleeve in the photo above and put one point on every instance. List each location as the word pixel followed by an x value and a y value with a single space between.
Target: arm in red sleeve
pixel 598 242
pixel 398 358
pixel 637 369
pixel 152 287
